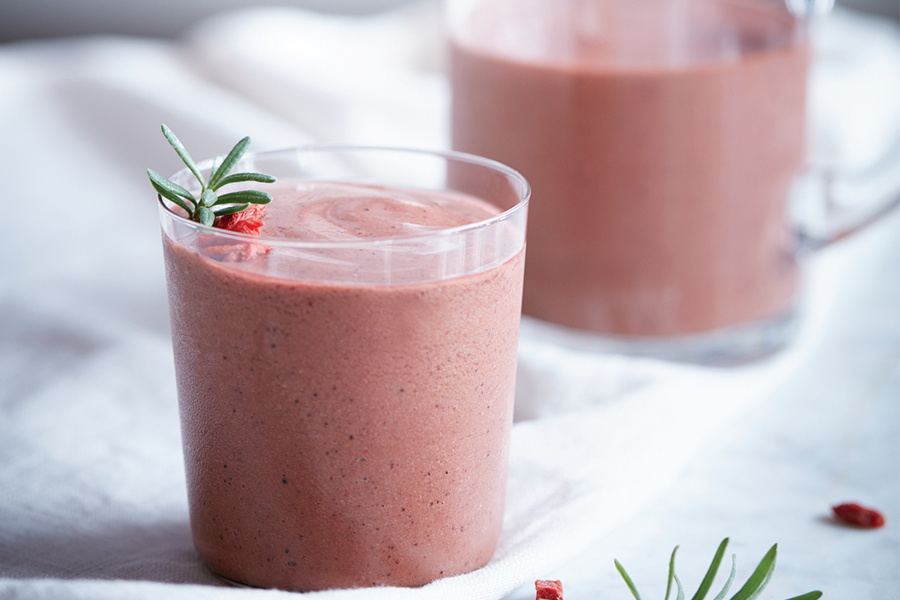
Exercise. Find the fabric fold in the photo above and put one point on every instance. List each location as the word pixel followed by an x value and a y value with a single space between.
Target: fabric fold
pixel 598 438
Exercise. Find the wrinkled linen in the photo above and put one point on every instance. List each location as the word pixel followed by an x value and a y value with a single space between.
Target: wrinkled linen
pixel 92 495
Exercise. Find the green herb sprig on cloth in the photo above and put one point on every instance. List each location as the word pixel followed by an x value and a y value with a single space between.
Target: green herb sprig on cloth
pixel 210 204
pixel 751 590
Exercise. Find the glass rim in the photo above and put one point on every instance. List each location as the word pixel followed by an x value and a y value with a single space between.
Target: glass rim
pixel 795 33
pixel 166 206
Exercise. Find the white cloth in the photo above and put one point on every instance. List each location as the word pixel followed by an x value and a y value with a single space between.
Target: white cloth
pixel 92 496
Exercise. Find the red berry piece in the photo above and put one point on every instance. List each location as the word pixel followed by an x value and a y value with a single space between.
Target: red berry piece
pixel 548 590
pixel 859 516
pixel 249 220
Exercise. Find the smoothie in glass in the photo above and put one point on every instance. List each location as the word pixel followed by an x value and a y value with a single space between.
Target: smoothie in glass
pixel 660 138
pixel 346 391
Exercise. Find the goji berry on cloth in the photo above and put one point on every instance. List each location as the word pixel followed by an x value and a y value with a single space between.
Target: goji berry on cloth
pixel 857 515
pixel 548 590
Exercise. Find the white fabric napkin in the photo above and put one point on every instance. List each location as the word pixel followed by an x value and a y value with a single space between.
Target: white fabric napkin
pixel 374 80
pixel 92 499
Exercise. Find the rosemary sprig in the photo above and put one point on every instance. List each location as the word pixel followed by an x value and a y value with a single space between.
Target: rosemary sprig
pixel 751 590
pixel 210 204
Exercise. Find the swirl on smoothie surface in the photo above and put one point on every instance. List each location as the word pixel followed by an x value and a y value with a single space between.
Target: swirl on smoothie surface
pixel 346 211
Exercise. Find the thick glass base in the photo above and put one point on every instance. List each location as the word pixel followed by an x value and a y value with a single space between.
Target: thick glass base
pixel 723 347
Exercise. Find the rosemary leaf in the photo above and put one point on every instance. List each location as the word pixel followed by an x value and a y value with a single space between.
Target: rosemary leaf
pixel 730 579
pixel 182 152
pixel 245 196
pixel 239 177
pixel 227 209
pixel 711 573
pixel 760 577
pixel 671 572
pixel 169 189
pixel 208 198
pixel 680 594
pixel 627 579
pixel 235 155
pixel 204 216
pixel 164 193
pixel 180 203
pixel 808 596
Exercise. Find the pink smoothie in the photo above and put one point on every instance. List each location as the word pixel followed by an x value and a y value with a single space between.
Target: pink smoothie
pixel 660 140
pixel 342 434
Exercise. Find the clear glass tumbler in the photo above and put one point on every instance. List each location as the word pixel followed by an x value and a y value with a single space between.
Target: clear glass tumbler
pixel 346 378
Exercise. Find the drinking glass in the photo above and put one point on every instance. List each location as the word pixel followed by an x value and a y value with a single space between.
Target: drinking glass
pixel 664 142
pixel 346 402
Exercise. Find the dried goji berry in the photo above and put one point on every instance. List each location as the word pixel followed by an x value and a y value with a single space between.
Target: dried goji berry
pixel 234 251
pixel 249 220
pixel 857 515
pixel 548 590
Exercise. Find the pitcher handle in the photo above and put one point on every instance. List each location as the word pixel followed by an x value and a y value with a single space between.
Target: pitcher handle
pixel 829 204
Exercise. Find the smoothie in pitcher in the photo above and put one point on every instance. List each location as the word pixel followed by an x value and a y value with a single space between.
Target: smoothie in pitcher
pixel 660 139
pixel 343 427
